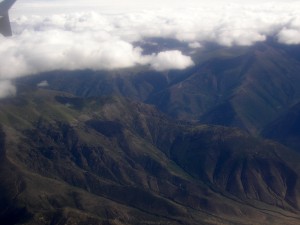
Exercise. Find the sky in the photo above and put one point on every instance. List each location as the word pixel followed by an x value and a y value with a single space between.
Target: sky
pixel 101 35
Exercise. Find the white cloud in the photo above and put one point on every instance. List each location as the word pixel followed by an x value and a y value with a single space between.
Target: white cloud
pixel 289 36
pixel 34 52
pixel 195 45
pixel 239 37
pixel 43 83
pixel 170 60
pixel 7 89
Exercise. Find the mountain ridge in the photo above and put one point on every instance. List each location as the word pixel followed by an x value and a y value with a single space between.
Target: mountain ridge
pixel 255 84
pixel 121 162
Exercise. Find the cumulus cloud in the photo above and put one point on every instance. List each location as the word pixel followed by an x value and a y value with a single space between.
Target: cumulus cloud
pixel 43 83
pixel 170 60
pixel 289 36
pixel 34 52
pixel 106 39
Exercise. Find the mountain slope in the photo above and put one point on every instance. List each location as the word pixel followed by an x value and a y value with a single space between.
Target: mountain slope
pixel 251 86
pixel 246 87
pixel 71 160
pixel 286 128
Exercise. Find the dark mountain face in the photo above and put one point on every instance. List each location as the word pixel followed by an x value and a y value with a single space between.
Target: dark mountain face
pixel 71 160
pixel 246 87
pixel 249 86
pixel 286 128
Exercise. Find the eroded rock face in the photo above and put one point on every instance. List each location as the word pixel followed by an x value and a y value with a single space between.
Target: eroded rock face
pixel 239 164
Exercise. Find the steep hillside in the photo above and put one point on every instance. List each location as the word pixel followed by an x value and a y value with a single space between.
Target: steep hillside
pixel 286 128
pixel 71 160
pixel 243 87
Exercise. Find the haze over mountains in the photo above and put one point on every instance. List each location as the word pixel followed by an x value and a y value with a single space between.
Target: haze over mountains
pixel 164 117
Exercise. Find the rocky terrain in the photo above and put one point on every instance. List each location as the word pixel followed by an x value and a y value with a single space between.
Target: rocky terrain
pixel 111 160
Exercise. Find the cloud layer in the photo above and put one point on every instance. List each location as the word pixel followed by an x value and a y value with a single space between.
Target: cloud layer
pixel 106 40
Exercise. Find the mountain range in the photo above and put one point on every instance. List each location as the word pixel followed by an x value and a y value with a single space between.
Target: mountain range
pixel 245 87
pixel 216 143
